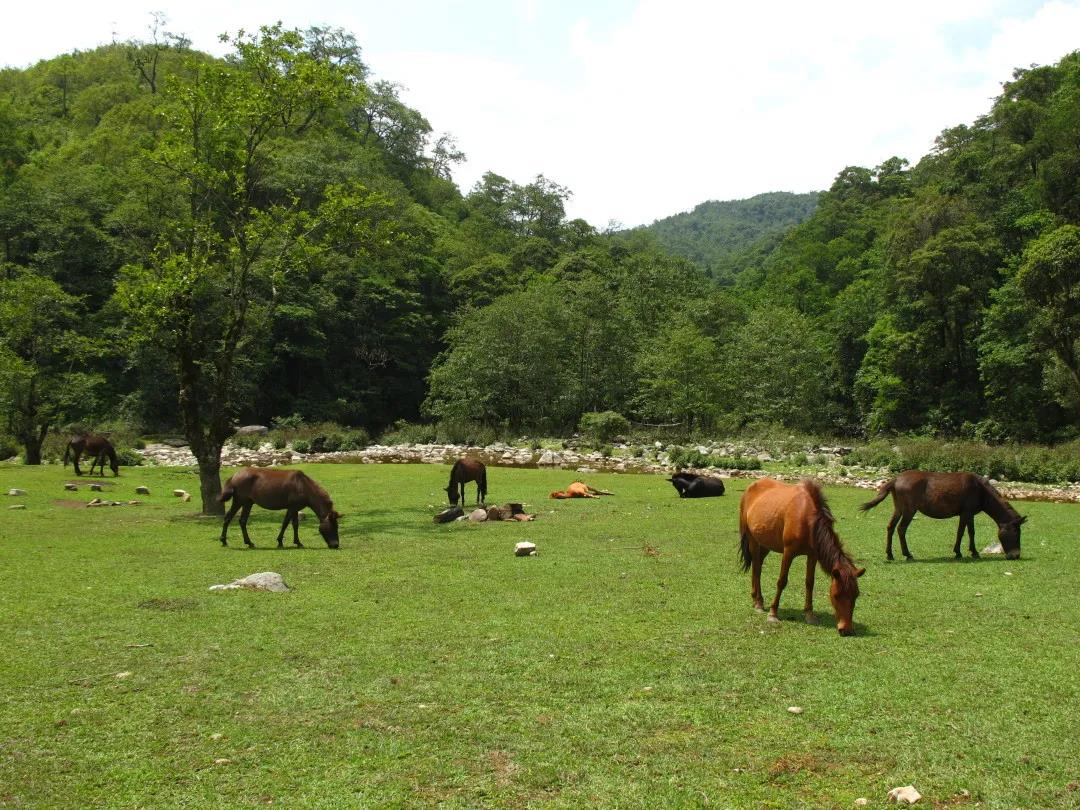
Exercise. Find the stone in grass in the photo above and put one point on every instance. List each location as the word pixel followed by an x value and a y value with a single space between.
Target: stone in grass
pixel 18 506
pixel 478 515
pixel 142 490
pixel 263 581
pixel 904 795
pixel 95 488
pixel 71 487
pixel 16 492
pixel 795 709
pixel 994 549
pixel 525 550
pixel 179 493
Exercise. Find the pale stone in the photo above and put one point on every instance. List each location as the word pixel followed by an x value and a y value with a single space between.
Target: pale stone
pixel 525 550
pixel 121 675
pixel 16 492
pixel 906 795
pixel 795 709
pixel 71 487
pixel 478 515
pixel 186 497
pixel 861 802
pixel 263 581
pixel 18 506
pixel 96 488
pixel 252 430
pixel 142 490
pixel 179 493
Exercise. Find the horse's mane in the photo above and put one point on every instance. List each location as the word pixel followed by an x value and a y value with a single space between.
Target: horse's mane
pixel 830 553
pixel 314 486
pixel 997 497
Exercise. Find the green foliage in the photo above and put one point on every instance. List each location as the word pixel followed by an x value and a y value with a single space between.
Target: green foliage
pixel 692 457
pixel 405 432
pixel 603 426
pixel 127 457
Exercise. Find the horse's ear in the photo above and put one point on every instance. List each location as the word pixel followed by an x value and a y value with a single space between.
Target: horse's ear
pixel 1022 520
pixel 859 572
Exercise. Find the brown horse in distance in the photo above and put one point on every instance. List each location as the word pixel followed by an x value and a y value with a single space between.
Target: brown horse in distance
pixel 945 495
pixel 97 446
pixel 464 471
pixel 579 489
pixel 290 490
pixel 795 520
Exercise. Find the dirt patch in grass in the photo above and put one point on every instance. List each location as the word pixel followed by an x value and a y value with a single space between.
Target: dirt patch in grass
pixel 162 603
pixel 503 767
pixel 798 763
pixel 63 503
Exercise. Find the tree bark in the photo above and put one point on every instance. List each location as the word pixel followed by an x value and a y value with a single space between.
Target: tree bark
pixel 210 485
pixel 33 450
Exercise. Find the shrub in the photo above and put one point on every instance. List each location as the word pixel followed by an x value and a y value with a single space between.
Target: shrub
pixel 600 427
pixel 247 441
pixel 607 450
pixel 405 432
pixel 452 431
pixel 692 457
pixel 129 458
pixel 302 446
pixel 8 448
pixel 799 459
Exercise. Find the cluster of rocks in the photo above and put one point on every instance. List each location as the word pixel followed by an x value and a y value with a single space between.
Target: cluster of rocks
pixel 653 459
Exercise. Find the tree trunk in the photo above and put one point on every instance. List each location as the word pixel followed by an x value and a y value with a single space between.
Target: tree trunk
pixel 210 484
pixel 33 450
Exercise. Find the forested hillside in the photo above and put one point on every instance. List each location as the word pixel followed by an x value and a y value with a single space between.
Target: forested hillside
pixel 188 242
pixel 724 237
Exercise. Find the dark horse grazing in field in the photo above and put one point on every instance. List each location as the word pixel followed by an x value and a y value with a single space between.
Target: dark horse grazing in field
pixel 97 446
pixel 945 495
pixel 290 490
pixel 691 485
pixel 464 471
pixel 795 520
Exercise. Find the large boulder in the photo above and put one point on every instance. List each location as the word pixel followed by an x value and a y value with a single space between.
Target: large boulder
pixel 252 430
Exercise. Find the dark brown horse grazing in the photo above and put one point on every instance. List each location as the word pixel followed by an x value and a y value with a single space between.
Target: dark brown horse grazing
pixel 97 446
pixel 945 495
pixel 290 490
pixel 795 520
pixel 463 471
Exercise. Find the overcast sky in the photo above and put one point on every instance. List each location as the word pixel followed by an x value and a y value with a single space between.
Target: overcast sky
pixel 643 109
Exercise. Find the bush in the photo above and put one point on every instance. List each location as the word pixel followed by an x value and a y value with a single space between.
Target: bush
pixel 247 441
pixel 600 427
pixel 692 457
pixel 302 446
pixel 129 458
pixel 451 431
pixel 8 448
pixel 405 432
pixel 606 451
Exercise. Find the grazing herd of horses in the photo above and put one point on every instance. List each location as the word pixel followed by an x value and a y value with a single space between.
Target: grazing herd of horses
pixel 793 520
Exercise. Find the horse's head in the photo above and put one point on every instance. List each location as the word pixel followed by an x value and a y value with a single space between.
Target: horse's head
pixel 1009 537
pixel 452 494
pixel 328 528
pixel 843 592
pixel 115 466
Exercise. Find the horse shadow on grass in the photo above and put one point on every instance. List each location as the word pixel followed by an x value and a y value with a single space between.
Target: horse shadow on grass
pixel 997 559
pixel 826 622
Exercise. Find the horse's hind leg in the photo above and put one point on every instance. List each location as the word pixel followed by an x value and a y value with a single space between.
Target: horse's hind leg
pixel 971 538
pixel 781 583
pixel 808 606
pixel 75 461
pixel 959 536
pixel 757 557
pixel 905 521
pixel 245 511
pixel 888 536
pixel 233 509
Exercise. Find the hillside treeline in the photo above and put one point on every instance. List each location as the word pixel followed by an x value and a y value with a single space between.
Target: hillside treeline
pixel 190 242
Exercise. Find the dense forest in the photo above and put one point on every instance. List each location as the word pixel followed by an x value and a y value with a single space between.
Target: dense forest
pixel 724 236
pixel 187 242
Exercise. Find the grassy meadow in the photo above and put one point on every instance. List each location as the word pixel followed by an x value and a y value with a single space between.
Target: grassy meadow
pixel 425 665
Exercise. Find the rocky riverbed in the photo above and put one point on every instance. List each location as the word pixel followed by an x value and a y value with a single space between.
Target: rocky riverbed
pixel 653 460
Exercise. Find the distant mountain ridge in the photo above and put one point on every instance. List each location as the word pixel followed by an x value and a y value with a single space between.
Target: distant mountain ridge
pixel 716 233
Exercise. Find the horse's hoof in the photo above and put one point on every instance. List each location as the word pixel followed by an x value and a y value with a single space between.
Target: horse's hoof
pixel 909 557
pixel 888 557
pixel 811 618
pixel 974 555
pixel 759 608
pixel 298 545
pixel 773 618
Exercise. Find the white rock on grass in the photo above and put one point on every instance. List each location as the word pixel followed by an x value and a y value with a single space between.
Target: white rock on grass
pixel 95 488
pixel 263 581
pixel 904 795
pixel 18 506
pixel 994 549
pixel 179 493
pixel 478 515
pixel 16 492
pixel 525 550
pixel 71 487
pixel 142 490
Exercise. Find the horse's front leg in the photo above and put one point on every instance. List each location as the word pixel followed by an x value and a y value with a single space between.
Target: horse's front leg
pixel 75 461
pixel 296 529
pixel 284 525
pixel 246 510
pixel 971 538
pixel 233 509
pixel 888 536
pixel 808 605
pixel 781 582
pixel 959 536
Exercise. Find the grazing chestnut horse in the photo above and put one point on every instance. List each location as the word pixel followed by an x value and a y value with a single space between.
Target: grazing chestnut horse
pixel 464 471
pixel 795 520
pixel 97 446
pixel 945 495
pixel 579 489
pixel 290 490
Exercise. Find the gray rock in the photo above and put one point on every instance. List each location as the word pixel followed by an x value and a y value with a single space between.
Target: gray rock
pixel 478 515
pixel 96 488
pixel 71 487
pixel 994 549
pixel 142 490
pixel 18 506
pixel 16 492
pixel 525 550
pixel 904 795
pixel 252 430
pixel 263 581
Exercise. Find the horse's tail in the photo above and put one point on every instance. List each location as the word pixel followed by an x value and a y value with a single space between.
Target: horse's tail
pixel 67 453
pixel 483 484
pixel 744 541
pixel 226 492
pixel 882 493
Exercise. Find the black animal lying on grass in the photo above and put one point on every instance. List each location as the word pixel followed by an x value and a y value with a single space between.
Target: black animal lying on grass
pixel 691 485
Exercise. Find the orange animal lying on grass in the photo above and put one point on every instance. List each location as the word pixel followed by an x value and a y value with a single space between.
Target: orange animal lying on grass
pixel 579 489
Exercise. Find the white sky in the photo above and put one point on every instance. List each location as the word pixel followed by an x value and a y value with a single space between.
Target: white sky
pixel 645 108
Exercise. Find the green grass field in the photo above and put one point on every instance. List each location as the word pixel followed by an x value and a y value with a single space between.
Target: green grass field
pixel 424 665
